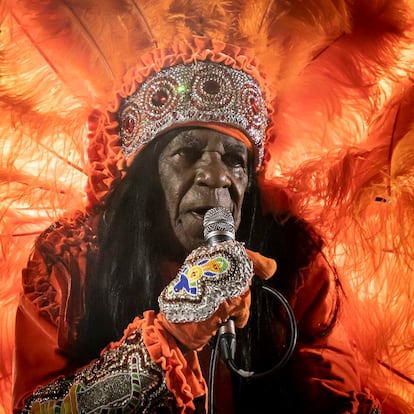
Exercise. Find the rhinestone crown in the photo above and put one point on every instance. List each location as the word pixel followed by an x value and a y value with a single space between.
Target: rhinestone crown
pixel 201 92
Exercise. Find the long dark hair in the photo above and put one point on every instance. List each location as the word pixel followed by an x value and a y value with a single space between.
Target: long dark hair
pixel 123 280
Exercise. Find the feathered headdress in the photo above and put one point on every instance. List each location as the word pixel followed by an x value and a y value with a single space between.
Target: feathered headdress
pixel 339 149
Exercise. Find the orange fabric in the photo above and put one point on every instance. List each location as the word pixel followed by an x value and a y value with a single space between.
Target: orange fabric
pixel 324 369
pixel 263 266
pixel 324 372
pixel 40 362
pixel 51 305
pixel 45 323
pixel 326 376
pixel 38 357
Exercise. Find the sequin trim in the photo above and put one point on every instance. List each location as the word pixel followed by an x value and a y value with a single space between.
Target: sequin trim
pixel 202 92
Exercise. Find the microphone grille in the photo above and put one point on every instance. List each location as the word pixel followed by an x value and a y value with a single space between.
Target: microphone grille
pixel 218 220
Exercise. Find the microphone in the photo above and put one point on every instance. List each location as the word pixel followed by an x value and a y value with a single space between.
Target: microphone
pixel 218 225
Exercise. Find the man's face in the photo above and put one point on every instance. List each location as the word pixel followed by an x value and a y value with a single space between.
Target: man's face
pixel 201 169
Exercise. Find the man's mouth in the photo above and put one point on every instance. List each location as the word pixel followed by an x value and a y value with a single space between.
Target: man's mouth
pixel 200 212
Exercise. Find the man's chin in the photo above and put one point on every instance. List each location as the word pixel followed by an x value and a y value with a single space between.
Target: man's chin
pixel 190 244
pixel 179 248
pixel 189 231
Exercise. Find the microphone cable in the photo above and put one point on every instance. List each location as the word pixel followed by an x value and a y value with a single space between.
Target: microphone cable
pixel 225 344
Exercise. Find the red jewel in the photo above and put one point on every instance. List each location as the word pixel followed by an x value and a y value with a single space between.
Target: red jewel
pixel 254 104
pixel 212 87
pixel 128 125
pixel 159 98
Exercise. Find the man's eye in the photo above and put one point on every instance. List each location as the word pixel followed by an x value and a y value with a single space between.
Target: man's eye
pixel 188 153
pixel 234 160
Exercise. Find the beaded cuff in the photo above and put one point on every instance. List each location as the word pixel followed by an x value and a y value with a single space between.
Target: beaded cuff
pixel 124 380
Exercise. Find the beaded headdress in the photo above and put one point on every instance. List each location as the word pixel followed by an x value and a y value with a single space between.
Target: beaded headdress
pixel 201 93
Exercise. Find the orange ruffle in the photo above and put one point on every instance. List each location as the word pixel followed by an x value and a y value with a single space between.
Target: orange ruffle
pixel 182 373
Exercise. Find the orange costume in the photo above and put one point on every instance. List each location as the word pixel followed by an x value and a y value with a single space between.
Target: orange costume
pixel 325 371
pixel 337 154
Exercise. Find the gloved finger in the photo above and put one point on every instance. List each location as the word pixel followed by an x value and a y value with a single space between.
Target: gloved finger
pixel 242 312
pixel 195 335
pixel 237 309
pixel 263 266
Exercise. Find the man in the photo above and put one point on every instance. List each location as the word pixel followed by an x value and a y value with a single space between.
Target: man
pixel 191 137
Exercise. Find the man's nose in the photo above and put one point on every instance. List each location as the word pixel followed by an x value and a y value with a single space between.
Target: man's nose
pixel 212 171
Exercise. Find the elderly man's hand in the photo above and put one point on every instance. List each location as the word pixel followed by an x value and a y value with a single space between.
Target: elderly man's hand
pixel 195 335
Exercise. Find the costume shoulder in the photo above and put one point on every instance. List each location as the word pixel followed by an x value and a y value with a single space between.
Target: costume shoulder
pixel 53 279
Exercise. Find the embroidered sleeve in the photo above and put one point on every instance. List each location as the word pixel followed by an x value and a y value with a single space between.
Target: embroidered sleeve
pixel 124 379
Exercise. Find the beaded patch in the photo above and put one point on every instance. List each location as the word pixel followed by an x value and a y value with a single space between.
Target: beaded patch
pixel 201 92
pixel 124 380
pixel 209 276
pixel 190 276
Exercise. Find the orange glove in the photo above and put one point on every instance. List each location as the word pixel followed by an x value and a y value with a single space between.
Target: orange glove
pixel 195 335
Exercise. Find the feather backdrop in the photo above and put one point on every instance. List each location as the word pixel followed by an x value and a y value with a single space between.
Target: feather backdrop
pixel 340 151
